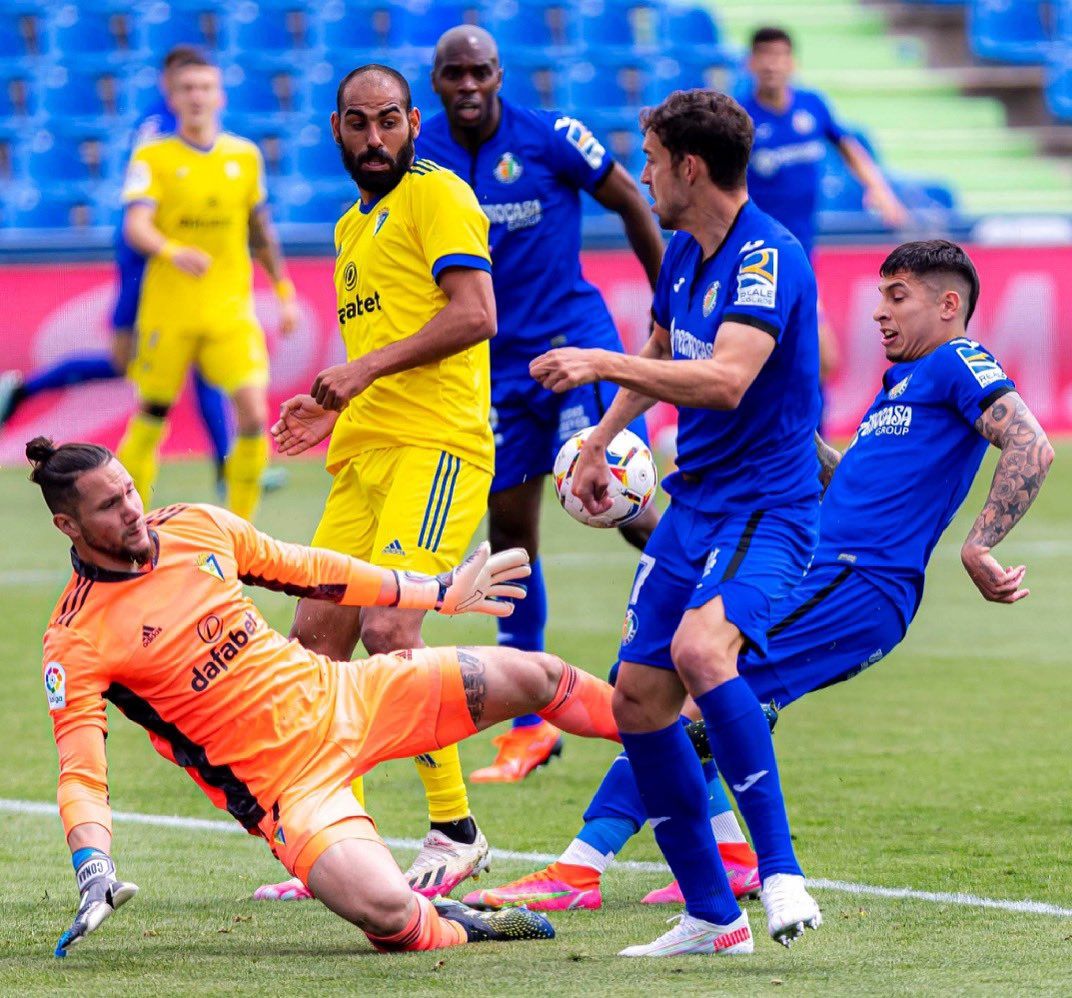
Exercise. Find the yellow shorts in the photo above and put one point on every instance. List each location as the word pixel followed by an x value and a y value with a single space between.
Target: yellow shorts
pixel 230 356
pixel 388 707
pixel 404 507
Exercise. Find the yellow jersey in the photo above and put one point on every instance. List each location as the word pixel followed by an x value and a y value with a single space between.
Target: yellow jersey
pixel 203 197
pixel 388 256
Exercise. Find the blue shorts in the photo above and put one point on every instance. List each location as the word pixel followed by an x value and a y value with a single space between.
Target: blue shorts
pixel 751 560
pixel 832 626
pixel 531 423
pixel 130 266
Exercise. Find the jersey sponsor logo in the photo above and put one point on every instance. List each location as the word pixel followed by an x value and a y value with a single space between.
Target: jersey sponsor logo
pixel 359 305
pixel 210 565
pixel 891 421
pixel 757 279
pixel 803 122
pixel 580 136
pixel 515 214
pixel 629 626
pixel 149 634
pixel 223 654
pixel 767 162
pixel 349 276
pixel 209 628
pixel 983 367
pixel 899 389
pixel 686 346
pixel 55 686
pixel 380 219
pixel 710 298
pixel 508 169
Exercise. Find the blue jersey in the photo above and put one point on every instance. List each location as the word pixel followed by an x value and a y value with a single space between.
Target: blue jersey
pixel 787 155
pixel 528 178
pixel 910 465
pixel 761 454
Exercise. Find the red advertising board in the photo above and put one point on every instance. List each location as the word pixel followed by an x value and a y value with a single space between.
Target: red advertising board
pixel 53 310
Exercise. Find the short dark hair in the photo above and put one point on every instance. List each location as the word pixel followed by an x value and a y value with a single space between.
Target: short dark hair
pixel 57 469
pixel 375 67
pixel 708 124
pixel 768 34
pixel 928 257
pixel 185 55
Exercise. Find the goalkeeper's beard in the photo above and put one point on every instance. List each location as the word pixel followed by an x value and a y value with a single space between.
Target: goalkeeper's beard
pixel 136 554
pixel 378 182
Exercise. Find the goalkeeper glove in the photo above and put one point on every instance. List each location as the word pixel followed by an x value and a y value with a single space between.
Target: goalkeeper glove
pixel 101 893
pixel 478 585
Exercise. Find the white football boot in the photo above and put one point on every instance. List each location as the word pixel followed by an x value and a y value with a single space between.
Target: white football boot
pixel 442 863
pixel 790 908
pixel 693 935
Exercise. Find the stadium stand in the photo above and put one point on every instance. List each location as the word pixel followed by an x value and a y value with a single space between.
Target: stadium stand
pixel 73 76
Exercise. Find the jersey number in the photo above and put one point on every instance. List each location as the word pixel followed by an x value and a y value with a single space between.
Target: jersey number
pixel 647 563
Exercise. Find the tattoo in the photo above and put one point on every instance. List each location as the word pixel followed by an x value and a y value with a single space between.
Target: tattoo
pixel 263 245
pixel 1025 459
pixel 474 682
pixel 829 458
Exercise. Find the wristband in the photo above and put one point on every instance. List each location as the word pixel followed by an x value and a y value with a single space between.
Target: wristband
pixel 168 250
pixel 284 290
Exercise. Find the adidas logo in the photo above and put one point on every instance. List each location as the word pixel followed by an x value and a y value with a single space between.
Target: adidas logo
pixel 394 548
pixel 148 635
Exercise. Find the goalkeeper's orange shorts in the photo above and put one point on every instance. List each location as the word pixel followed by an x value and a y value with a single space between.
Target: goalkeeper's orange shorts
pixel 389 707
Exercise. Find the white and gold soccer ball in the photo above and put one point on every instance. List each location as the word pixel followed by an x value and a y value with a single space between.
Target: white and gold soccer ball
pixel 633 479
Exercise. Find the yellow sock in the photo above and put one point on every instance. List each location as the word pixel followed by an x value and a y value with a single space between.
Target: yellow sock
pixel 444 785
pixel 138 452
pixel 245 466
pixel 358 787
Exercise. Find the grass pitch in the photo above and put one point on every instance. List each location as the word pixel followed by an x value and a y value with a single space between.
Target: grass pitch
pixel 945 769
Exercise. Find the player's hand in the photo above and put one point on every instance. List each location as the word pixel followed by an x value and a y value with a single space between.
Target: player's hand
pixel 592 477
pixel 887 206
pixel 997 584
pixel 302 424
pixel 481 582
pixel 101 894
pixel 566 368
pixel 190 260
pixel 335 386
pixel 288 317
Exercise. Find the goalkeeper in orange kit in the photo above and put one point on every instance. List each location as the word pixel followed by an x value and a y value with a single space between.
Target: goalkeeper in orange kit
pixel 155 621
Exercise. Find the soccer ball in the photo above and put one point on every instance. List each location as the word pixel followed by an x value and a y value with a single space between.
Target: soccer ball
pixel 633 479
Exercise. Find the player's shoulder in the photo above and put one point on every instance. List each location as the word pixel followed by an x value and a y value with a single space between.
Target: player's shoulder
pixel 230 144
pixel 807 99
pixel 157 147
pixel 428 180
pixel 965 356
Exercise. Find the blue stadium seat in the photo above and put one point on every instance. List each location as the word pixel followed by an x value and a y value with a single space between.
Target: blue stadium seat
pixel 164 25
pixel 525 27
pixel 91 37
pixel 691 27
pixel 85 93
pixel 280 28
pixel 1059 81
pixel 50 208
pixel 346 27
pixel 315 155
pixel 268 90
pixel 531 86
pixel 615 26
pixel 419 23
pixel 1008 30
pixel 14 33
pixel 323 203
pixel 19 97
pixel 75 155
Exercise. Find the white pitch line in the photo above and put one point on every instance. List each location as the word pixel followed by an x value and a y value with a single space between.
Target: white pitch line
pixel 841 886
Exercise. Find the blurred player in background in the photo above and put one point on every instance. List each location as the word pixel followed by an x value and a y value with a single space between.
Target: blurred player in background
pixel 271 731
pixel 411 448
pixel 793 127
pixel 528 169
pixel 82 368
pixel 195 207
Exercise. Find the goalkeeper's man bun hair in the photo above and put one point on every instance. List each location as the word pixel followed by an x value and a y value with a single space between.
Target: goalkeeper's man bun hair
pixel 57 469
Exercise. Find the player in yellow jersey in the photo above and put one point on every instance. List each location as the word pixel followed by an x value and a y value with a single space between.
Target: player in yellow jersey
pixel 411 448
pixel 195 206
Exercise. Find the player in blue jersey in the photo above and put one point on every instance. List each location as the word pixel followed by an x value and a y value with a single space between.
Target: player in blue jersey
pixel 529 169
pixel 81 368
pixel 735 348
pixel 901 481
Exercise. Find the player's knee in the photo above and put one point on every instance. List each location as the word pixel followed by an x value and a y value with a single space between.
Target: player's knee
pixel 630 712
pixel 381 634
pixel 544 675
pixel 703 658
pixel 385 913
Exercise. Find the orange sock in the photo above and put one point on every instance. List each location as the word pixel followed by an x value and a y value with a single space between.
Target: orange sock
pixel 581 706
pixel 738 852
pixel 582 877
pixel 425 930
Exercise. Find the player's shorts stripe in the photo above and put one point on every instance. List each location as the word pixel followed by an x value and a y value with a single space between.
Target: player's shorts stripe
pixel 742 545
pixel 431 498
pixel 440 507
pixel 446 505
pixel 810 604
pixel 241 804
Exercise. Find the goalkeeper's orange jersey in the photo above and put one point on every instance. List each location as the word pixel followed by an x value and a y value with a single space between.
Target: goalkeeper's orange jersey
pixel 182 651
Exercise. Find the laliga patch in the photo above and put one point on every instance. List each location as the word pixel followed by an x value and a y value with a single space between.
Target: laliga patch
pixel 580 136
pixel 757 279
pixel 983 367
pixel 55 686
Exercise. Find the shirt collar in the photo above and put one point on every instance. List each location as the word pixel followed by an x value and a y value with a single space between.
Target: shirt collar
pixel 97 574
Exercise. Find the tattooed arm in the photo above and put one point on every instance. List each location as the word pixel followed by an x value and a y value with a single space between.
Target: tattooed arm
pixel 264 248
pixel 1026 456
pixel 829 458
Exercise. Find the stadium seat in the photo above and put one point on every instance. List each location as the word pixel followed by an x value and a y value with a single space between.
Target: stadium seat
pixel 323 203
pixel 533 29
pixel 612 27
pixel 315 155
pixel 418 24
pixel 691 27
pixel 1059 81
pixel 50 208
pixel 18 37
pixel 267 90
pixel 1008 30
pixel 277 28
pixel 347 27
pixel 531 86
pixel 92 37
pixel 75 155
pixel 101 93
pixel 164 25
pixel 19 97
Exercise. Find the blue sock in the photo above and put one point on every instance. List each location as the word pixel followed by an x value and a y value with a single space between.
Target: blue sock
pixel 74 370
pixel 671 784
pixel 217 417
pixel 524 627
pixel 617 798
pixel 717 801
pixel 741 743
pixel 607 835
